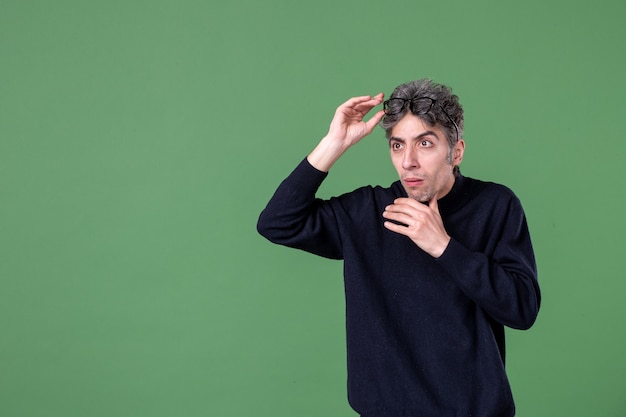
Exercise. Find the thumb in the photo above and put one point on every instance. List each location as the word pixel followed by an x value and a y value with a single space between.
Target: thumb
pixel 374 120
pixel 433 204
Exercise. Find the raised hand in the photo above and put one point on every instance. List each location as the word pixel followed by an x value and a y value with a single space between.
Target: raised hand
pixel 346 129
pixel 348 125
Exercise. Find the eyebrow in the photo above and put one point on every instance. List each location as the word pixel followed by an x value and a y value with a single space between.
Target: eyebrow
pixel 421 135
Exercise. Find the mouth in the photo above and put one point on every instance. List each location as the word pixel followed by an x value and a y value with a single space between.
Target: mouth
pixel 413 182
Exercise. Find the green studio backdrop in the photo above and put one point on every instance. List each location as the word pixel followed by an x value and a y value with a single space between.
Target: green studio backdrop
pixel 139 140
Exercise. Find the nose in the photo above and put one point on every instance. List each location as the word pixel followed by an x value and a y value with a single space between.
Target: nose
pixel 409 159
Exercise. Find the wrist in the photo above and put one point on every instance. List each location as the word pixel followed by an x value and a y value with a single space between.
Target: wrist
pixel 326 153
pixel 441 248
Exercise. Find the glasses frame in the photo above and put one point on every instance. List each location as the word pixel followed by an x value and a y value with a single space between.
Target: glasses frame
pixel 411 101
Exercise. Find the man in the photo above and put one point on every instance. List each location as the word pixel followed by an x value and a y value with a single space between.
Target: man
pixel 435 265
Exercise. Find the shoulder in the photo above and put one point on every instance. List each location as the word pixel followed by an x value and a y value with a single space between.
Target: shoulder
pixel 487 189
pixel 367 198
pixel 491 198
pixel 370 192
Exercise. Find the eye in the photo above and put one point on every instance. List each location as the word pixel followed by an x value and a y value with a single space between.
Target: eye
pixel 396 146
pixel 426 143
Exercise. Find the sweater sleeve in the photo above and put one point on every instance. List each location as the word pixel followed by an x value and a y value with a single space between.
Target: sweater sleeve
pixel 294 217
pixel 504 282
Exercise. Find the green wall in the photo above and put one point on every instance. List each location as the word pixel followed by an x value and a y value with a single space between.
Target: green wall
pixel 139 141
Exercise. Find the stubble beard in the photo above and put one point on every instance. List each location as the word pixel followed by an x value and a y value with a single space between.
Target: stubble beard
pixel 423 196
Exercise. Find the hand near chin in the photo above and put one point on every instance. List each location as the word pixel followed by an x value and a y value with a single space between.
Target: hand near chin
pixel 420 222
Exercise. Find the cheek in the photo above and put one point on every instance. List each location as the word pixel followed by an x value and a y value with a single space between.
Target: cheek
pixel 396 161
pixel 438 160
pixel 437 168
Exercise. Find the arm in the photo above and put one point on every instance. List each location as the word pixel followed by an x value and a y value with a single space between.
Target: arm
pixel 503 283
pixel 294 217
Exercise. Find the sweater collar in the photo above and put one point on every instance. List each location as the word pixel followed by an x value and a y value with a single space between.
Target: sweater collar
pixel 456 198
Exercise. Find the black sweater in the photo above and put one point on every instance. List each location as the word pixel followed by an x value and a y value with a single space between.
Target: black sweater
pixel 425 336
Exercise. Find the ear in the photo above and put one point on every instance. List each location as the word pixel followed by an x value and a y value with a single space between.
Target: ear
pixel 457 152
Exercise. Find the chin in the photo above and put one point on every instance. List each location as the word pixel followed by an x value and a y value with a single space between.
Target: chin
pixel 423 197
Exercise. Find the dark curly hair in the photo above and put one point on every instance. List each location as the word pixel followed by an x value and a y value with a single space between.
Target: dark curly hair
pixel 445 109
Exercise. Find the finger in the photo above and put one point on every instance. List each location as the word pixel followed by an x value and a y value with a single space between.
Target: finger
pixel 365 107
pixel 399 217
pixel 410 202
pixel 398 208
pixel 403 230
pixel 433 204
pixel 378 98
pixel 395 211
pixel 354 101
pixel 404 201
pixel 368 101
pixel 374 120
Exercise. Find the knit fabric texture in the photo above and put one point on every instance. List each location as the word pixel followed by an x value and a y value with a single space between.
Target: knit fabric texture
pixel 425 336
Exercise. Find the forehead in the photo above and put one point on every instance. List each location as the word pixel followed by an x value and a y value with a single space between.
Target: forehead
pixel 412 127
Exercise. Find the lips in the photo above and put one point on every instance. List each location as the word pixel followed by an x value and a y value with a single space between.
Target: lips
pixel 413 182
